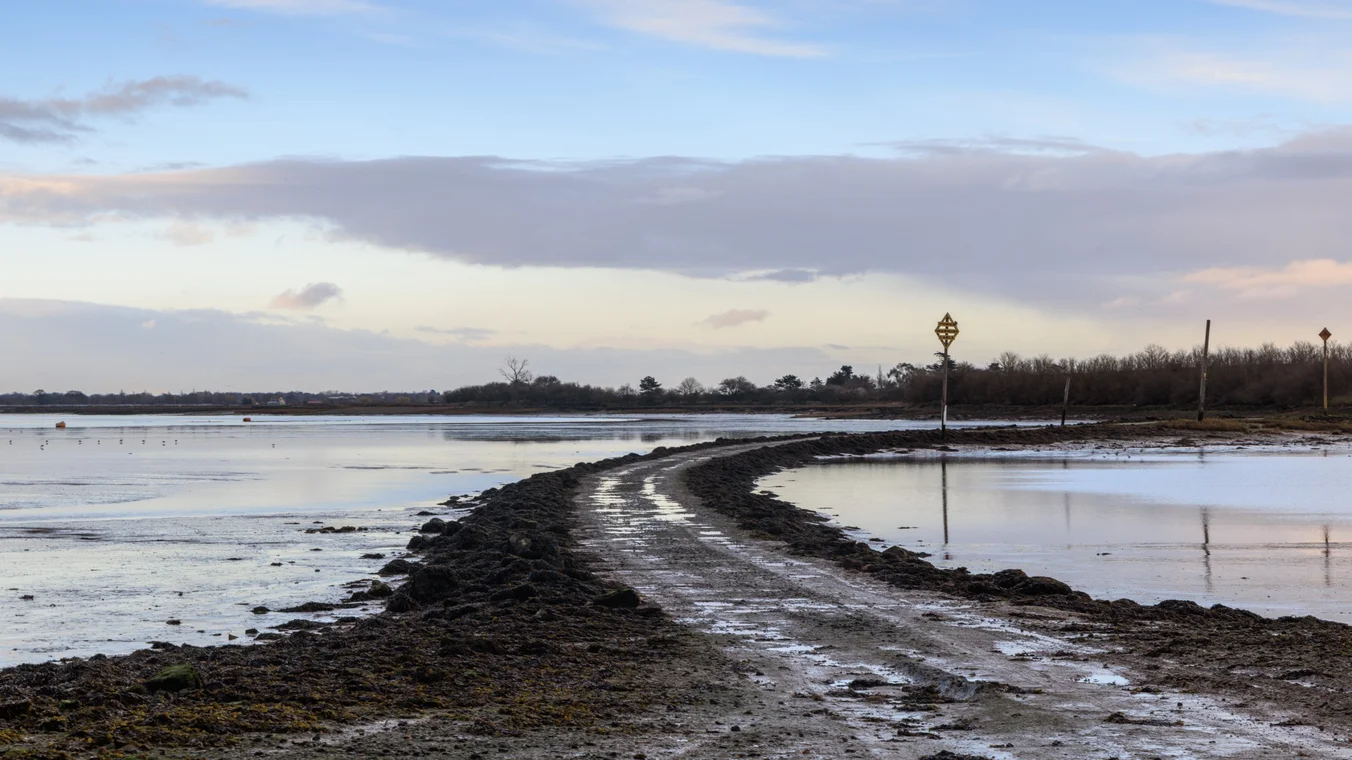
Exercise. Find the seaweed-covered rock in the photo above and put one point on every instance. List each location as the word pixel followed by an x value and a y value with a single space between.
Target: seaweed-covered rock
pixel 175 678
pixel 397 567
pixel 432 582
pixel 435 525
pixel 1008 579
pixel 624 598
pixel 518 593
pixel 1041 585
pixel 401 602
pixel 532 547
pixel 310 607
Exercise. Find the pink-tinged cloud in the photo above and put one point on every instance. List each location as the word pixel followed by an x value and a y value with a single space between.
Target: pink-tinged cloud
pixel 309 297
pixel 1257 282
pixel 735 317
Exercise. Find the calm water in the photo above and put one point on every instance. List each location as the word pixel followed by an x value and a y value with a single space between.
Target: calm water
pixel 118 524
pixel 1267 530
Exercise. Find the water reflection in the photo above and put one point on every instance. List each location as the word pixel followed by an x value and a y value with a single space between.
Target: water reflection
pixel 1240 528
pixel 1328 559
pixel 943 475
pixel 1206 547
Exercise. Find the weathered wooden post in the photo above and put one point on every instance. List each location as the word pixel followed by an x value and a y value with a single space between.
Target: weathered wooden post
pixel 1065 402
pixel 1201 392
pixel 1325 334
pixel 947 330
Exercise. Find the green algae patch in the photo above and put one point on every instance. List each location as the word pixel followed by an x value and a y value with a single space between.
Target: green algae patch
pixel 175 678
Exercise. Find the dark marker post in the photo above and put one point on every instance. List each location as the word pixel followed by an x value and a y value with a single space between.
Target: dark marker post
pixel 1201 392
pixel 1065 402
pixel 1325 334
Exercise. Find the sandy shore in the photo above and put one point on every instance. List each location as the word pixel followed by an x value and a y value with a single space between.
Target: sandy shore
pixel 758 631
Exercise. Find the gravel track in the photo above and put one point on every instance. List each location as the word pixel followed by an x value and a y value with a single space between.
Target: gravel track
pixel 832 663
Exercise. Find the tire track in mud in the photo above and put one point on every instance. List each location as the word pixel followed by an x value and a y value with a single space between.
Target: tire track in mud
pixel 836 664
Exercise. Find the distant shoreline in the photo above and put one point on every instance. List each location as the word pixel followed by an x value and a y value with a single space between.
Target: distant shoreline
pixel 824 411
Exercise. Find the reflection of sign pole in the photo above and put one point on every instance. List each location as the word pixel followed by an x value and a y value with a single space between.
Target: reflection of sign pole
pixel 1065 402
pixel 947 330
pixel 943 488
pixel 1325 334
pixel 1201 392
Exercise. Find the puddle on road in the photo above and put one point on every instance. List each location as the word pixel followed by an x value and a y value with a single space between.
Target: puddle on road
pixel 1105 678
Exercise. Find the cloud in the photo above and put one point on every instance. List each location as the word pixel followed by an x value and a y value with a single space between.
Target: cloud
pixel 188 235
pixel 523 38
pixel 467 334
pixel 1042 228
pixel 1290 280
pixel 57 120
pixel 299 7
pixel 309 297
pixel 1310 68
pixel 782 275
pixel 1265 124
pixel 1051 146
pixel 735 317
pixel 107 348
pixel 717 24
pixel 1337 10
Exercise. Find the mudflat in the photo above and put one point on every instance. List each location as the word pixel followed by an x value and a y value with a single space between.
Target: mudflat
pixel 656 606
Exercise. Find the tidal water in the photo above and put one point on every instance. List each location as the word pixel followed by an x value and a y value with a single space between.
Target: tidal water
pixel 118 524
pixel 1269 530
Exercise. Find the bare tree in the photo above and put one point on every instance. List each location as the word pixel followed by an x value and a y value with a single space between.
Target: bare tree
pixel 514 371
pixel 690 387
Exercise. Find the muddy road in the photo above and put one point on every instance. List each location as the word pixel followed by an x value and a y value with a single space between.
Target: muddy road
pixel 832 663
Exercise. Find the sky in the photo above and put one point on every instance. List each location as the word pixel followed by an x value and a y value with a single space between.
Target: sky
pixel 399 194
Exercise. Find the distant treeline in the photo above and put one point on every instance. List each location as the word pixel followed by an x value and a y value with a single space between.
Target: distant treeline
pixel 1263 376
pixel 40 398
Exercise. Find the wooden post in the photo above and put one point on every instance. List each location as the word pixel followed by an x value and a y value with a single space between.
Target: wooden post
pixel 1065 402
pixel 1201 392
pixel 943 415
pixel 1325 334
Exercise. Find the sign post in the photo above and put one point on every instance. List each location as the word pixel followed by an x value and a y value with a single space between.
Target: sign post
pixel 947 330
pixel 1065 402
pixel 1325 334
pixel 1201 391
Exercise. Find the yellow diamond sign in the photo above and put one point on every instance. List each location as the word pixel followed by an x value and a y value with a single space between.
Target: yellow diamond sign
pixel 947 331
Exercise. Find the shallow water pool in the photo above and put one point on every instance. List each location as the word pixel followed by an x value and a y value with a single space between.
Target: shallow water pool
pixel 1269 530
pixel 116 525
